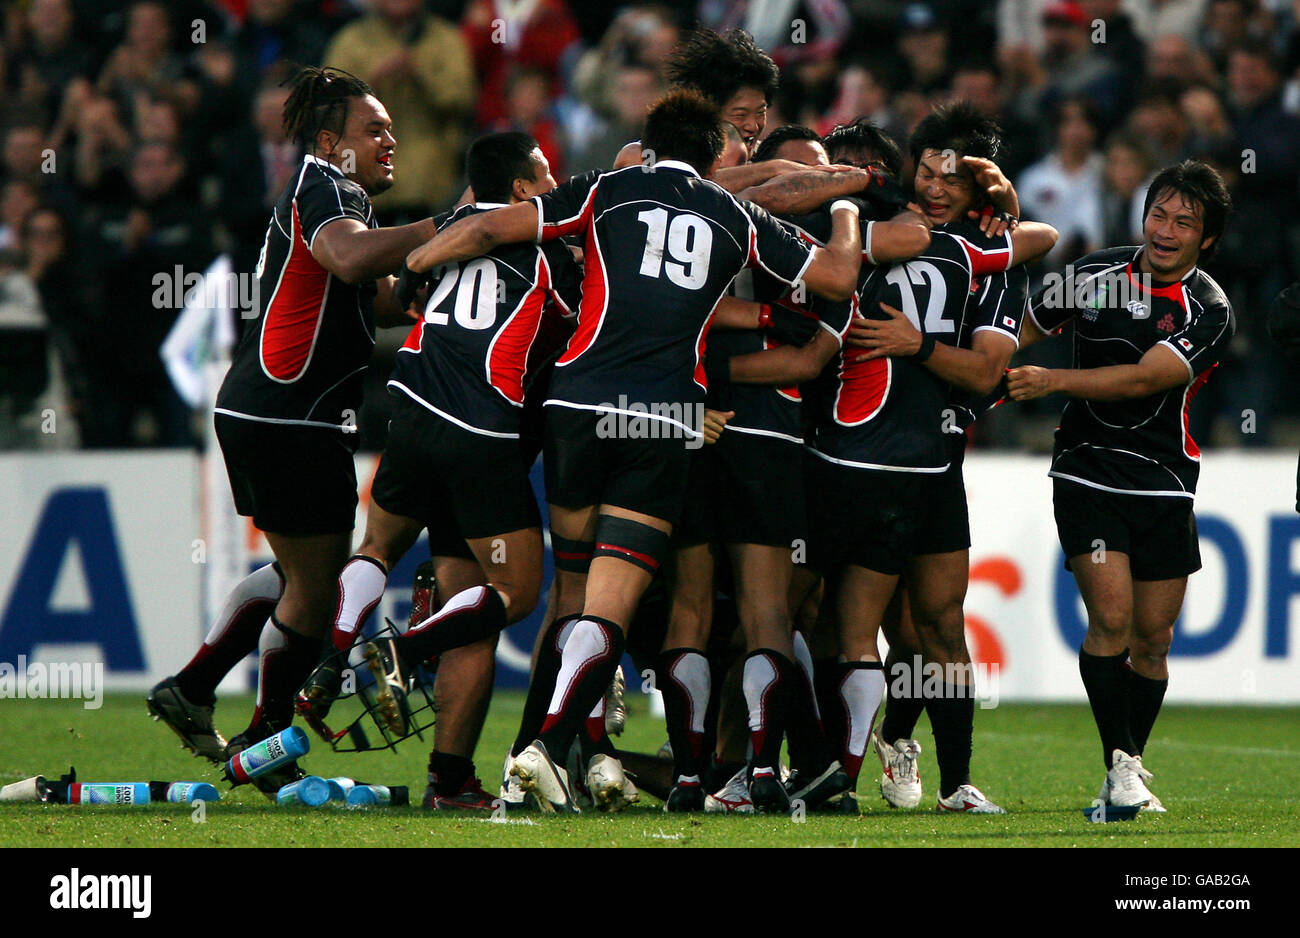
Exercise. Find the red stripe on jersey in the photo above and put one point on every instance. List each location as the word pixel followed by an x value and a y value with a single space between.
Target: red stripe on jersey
pixel 791 393
pixel 578 223
pixel 508 357
pixel 1172 292
pixel 595 299
pixel 986 262
pixel 864 385
pixel 414 337
pixel 1190 449
pixel 293 316
pixel 698 376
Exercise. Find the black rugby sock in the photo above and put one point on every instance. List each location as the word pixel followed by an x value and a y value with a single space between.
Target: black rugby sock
pixel 1106 680
pixel 952 720
pixel 905 707
pixel 1145 696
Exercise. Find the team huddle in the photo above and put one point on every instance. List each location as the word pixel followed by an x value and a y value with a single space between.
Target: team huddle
pixel 748 368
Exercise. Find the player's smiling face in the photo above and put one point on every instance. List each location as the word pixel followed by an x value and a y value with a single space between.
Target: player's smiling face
pixel 747 112
pixel 945 187
pixel 368 140
pixel 1172 231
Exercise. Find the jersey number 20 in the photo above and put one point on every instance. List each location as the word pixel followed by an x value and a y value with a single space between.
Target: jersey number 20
pixel 688 241
pixel 476 295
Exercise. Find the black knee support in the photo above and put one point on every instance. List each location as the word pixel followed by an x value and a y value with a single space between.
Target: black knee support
pixel 571 556
pixel 632 541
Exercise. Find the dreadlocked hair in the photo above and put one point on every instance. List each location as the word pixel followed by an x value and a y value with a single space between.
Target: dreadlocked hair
pixel 318 100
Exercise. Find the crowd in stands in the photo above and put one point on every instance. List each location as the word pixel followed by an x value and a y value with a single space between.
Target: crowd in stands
pixel 140 137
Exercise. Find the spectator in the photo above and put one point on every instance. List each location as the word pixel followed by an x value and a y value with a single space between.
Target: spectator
pixel 1172 59
pixel 43 67
pixel 528 109
pixel 923 42
pixel 980 84
pixel 419 66
pixel 18 199
pixel 1071 65
pixel 1064 189
pixel 270 39
pixel 152 233
pixel 1128 171
pixel 503 36
pixel 635 88
pixel 1156 18
pixel 1157 119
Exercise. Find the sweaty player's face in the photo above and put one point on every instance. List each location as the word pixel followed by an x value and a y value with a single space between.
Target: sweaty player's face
pixel 945 188
pixel 1172 230
pixel 807 152
pixel 365 151
pixel 542 181
pixel 747 112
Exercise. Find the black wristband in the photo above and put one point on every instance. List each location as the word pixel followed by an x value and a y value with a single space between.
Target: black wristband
pixel 926 349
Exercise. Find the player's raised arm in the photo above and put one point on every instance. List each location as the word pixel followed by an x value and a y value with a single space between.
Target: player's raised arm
pixel 833 270
pixel 901 238
pixel 476 235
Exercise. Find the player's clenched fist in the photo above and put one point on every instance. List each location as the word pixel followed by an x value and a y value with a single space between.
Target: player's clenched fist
pixel 1028 382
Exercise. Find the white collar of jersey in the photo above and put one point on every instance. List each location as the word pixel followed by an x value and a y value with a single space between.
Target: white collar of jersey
pixel 490 205
pixel 676 164
pixel 308 158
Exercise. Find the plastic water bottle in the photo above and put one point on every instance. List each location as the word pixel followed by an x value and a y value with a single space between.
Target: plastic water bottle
pixel 268 755
pixel 365 796
pixel 186 792
pixel 108 793
pixel 311 791
pixel 339 788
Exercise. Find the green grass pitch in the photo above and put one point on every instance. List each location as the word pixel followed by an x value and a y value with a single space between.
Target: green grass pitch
pixel 1227 775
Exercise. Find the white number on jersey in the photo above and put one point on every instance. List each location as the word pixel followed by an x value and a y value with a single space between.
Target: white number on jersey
pixel 904 276
pixel 476 295
pixel 688 240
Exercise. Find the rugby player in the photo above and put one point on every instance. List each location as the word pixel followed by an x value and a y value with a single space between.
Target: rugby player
pixel 1150 325
pixel 614 496
pixel 455 463
pixel 290 401
pixel 932 626
pixel 878 426
pixel 754 510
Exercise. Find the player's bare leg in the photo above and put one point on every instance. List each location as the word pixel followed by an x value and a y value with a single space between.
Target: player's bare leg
pixel 683 673
pixel 1106 584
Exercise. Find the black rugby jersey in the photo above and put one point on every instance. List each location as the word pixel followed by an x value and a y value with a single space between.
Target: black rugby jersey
pixel 1140 445
pixel 1003 302
pixel 888 413
pixel 661 245
pixel 303 360
pixel 473 354
pixel 763 409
